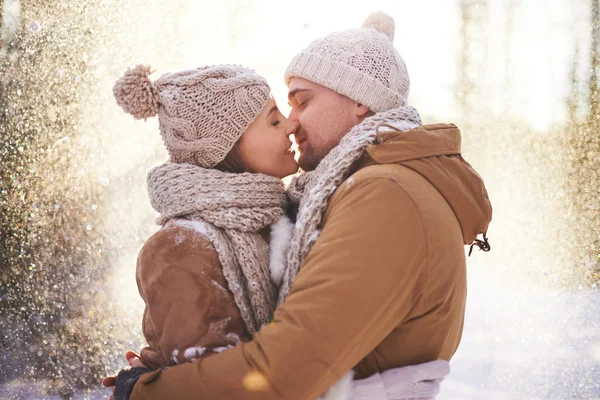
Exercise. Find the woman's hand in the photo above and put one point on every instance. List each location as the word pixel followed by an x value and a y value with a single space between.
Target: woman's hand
pixel 134 360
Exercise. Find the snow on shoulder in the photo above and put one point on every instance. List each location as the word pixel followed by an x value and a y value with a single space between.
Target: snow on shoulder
pixel 196 232
pixel 198 226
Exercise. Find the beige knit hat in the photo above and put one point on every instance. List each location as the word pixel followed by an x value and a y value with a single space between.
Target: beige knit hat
pixel 202 113
pixel 362 64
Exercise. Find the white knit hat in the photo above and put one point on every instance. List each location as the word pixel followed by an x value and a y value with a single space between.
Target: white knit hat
pixel 202 113
pixel 362 64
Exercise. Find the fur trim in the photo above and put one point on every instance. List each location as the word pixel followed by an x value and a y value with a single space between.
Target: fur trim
pixel 192 353
pixel 341 390
pixel 222 349
pixel 281 235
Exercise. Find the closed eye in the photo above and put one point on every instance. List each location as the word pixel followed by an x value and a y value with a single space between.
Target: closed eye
pixel 301 103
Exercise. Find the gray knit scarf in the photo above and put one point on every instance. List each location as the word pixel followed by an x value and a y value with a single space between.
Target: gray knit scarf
pixel 234 207
pixel 312 190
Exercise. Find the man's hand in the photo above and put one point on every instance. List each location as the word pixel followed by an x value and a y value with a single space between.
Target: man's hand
pixel 133 359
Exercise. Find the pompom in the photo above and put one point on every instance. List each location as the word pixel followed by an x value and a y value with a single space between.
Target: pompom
pixel 381 22
pixel 136 93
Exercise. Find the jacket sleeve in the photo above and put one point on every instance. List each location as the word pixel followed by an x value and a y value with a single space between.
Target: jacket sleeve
pixel 189 312
pixel 361 279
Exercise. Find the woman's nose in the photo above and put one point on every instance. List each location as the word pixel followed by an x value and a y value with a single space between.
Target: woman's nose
pixel 292 127
pixel 293 115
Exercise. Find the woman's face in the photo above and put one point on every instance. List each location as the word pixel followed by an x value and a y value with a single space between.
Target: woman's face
pixel 265 146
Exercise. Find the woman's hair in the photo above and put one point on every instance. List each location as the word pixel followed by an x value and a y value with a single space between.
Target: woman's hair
pixel 233 162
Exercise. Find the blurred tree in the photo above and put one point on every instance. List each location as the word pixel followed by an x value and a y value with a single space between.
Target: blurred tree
pixel 593 93
pixel 584 145
pixel 508 39
pixel 52 254
pixel 472 58
pixel 574 95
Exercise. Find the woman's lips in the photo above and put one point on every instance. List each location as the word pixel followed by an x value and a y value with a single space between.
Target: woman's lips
pixel 290 150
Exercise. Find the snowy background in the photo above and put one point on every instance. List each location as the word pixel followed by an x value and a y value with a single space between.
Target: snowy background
pixel 515 75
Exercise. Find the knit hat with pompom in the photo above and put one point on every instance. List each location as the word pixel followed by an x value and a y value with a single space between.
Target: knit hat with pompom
pixel 361 64
pixel 202 113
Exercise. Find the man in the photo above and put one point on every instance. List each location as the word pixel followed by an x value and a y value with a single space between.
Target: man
pixel 376 273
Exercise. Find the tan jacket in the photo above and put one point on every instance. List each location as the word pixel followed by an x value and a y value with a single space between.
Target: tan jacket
pixel 384 285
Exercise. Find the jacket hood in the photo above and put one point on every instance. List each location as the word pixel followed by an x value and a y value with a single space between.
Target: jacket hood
pixel 434 151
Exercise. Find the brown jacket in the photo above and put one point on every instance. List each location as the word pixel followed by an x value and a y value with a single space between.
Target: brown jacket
pixel 189 312
pixel 384 285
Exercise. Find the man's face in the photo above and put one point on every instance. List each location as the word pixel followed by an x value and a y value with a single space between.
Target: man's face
pixel 323 116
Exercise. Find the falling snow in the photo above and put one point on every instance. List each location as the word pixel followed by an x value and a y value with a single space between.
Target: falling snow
pixel 74 211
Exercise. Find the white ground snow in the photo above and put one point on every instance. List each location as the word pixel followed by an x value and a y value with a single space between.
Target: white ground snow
pixel 519 343
pixel 523 342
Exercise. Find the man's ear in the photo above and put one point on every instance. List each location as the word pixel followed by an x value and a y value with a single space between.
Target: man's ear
pixel 362 111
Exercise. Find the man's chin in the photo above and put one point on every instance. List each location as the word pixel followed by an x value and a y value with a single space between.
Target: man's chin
pixel 306 163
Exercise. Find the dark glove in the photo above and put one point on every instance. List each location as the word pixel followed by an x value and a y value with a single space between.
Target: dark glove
pixel 126 380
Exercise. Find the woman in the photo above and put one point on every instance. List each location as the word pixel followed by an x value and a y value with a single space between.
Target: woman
pixel 206 277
